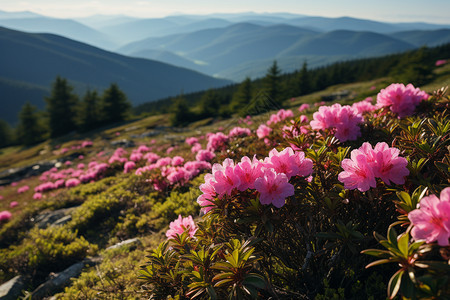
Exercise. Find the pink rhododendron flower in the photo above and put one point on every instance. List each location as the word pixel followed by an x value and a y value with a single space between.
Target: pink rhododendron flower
pixel 239 131
pixel 81 166
pixel 37 196
pixel 432 219
pixel 401 99
pixel 357 173
pixel 136 156
pixel 1 197
pixel 197 147
pixel 303 107
pixel 248 171
pixel 208 194
pixel 191 141
pixel 86 144
pixel 364 106
pixel 177 161
pixel 72 182
pixel 273 188
pixel 13 204
pixel 5 216
pixel 388 165
pixel 151 157
pixel 217 141
pixel 440 62
pixel 180 225
pixel 204 155
pixel 289 163
pixel 225 177
pixel 178 175
pixel 263 131
pixel 23 189
pixel 129 165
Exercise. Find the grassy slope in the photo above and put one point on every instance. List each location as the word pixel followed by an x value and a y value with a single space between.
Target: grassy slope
pixel 117 274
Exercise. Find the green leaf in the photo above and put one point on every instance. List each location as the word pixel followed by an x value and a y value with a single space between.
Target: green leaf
pixel 404 197
pixel 255 280
pixel 376 252
pixel 392 237
pixel 379 262
pixel 403 244
pixel 394 283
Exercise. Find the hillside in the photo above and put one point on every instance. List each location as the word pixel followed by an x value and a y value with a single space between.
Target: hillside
pixel 105 220
pixel 36 60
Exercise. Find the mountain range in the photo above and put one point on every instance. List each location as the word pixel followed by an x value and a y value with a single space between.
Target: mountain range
pixel 149 58
pixel 30 63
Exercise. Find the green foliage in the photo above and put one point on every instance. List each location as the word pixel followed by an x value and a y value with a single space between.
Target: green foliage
pixel 89 113
pixel 61 108
pixel 115 106
pixel 181 113
pixel 272 83
pixel 45 250
pixel 6 134
pixel 242 98
pixel 29 130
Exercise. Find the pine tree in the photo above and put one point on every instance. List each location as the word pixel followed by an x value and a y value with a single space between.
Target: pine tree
pixel 61 108
pixel 181 114
pixel 209 104
pixel 272 83
pixel 242 98
pixel 115 106
pixel 303 82
pixel 29 131
pixel 89 113
pixel 6 136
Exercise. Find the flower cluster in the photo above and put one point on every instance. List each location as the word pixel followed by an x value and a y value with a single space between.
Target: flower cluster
pixel 401 99
pixel 269 177
pixel 280 116
pixel 367 164
pixel 432 220
pixel 344 120
pixel 180 225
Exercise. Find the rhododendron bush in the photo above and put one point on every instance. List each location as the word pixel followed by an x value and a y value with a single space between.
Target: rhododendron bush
pixel 300 214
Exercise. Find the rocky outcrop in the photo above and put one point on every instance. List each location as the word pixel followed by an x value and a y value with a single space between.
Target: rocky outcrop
pixel 12 289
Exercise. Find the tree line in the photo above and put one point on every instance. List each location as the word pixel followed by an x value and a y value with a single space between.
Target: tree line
pixel 414 66
pixel 66 112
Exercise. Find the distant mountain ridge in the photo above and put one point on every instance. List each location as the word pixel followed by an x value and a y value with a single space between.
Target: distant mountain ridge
pixel 34 60
pixel 219 51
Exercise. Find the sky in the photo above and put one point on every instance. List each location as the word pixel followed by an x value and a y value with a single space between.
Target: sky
pixel 431 11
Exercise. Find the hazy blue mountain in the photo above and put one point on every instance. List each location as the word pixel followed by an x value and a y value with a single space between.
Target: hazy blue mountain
pixel 65 27
pixel 168 57
pixel 17 14
pixel 238 49
pixel 36 59
pixel 145 28
pixel 15 94
pixel 101 21
pixel 343 23
pixel 421 38
pixel 345 42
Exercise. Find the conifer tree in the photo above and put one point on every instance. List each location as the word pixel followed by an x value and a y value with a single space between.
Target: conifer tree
pixel 115 106
pixel 272 83
pixel 29 131
pixel 6 136
pixel 89 113
pixel 181 114
pixel 209 104
pixel 303 82
pixel 61 108
pixel 242 98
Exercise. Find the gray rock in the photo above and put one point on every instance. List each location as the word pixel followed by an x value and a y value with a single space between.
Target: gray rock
pixel 133 243
pixel 12 289
pixel 62 279
pixel 57 217
pixel 123 143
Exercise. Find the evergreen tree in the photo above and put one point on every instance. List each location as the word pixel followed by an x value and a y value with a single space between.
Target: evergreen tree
pixel 115 106
pixel 209 104
pixel 272 83
pixel 29 131
pixel 89 113
pixel 303 82
pixel 6 136
pixel 181 114
pixel 242 98
pixel 61 108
